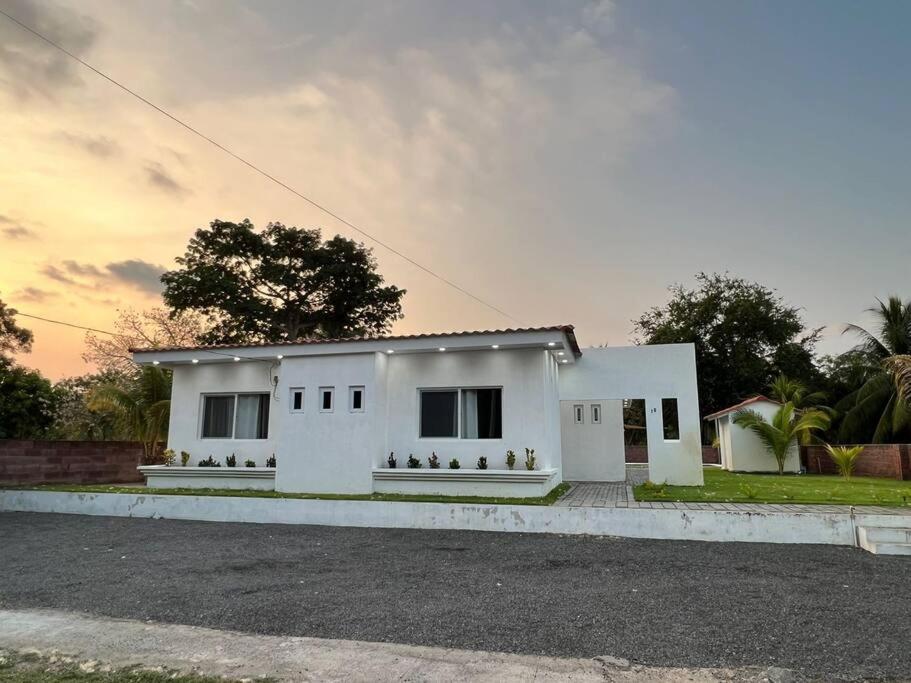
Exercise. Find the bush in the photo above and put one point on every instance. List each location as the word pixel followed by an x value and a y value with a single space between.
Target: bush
pixel 391 461
pixel 249 463
pixel 270 461
pixel 434 461
pixel 510 459
pixel 208 462
pixel 482 463
pixel 168 456
pixel 184 458
pixel 845 458
pixel 530 460
pixel 231 460
pixel 413 463
pixel 454 464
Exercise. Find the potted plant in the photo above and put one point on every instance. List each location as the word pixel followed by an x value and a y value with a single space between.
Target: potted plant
pixel 482 463
pixel 249 463
pixel 231 460
pixel 270 461
pixel 168 457
pixel 208 462
pixel 391 460
pixel 184 458
pixel 510 459
pixel 413 463
pixel 434 461
pixel 530 459
pixel 454 464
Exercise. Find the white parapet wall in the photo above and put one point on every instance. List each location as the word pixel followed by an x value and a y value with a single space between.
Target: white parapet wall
pixel 499 483
pixel 163 476
pixel 689 525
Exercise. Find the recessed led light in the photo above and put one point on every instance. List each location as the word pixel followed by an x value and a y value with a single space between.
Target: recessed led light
pixel 494 346
pixel 156 362
pixel 390 350
pixel 559 353
pixel 442 348
pixel 551 343
pixel 236 358
pixel 195 361
pixel 279 356
pixel 564 361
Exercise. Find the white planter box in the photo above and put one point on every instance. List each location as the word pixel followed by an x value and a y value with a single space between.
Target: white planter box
pixel 162 476
pixel 501 483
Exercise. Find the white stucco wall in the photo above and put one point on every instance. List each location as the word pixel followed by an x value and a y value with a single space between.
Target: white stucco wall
pixel 593 451
pixel 743 451
pixel 330 452
pixel 652 373
pixel 190 383
pixel 531 418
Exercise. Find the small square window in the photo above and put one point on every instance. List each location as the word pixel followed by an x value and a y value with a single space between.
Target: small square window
pixel 356 399
pixel 326 399
pixel 596 413
pixel 578 414
pixel 297 400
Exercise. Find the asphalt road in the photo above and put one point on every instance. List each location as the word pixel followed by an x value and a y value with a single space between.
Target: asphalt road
pixel 820 610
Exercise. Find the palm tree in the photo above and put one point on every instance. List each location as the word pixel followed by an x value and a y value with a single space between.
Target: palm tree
pixel 875 410
pixel 900 369
pixel 141 407
pixel 781 434
pixel 793 391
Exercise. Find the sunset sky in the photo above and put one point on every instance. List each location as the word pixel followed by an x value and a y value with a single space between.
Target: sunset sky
pixel 566 161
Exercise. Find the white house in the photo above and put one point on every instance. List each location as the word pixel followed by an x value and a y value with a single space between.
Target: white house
pixel 332 411
pixel 743 451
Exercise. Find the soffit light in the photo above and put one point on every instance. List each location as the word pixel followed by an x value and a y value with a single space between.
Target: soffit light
pixel 195 361
pixel 279 356
pixel 559 353
pixel 494 346
pixel 564 361
pixel 551 343
pixel 442 348
pixel 236 359
pixel 156 362
pixel 390 351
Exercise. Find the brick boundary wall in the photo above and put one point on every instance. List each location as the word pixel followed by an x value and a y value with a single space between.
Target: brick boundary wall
pixel 889 461
pixel 639 455
pixel 69 462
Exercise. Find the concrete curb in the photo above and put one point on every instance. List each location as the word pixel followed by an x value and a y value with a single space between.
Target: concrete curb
pixel 672 524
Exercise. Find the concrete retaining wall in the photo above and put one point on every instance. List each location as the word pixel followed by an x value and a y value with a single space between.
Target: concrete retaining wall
pixel 693 525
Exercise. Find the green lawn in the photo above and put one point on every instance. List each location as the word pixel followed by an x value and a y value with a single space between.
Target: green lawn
pixel 549 499
pixel 730 487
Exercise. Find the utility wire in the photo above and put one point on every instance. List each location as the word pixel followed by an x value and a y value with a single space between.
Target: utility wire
pixel 115 334
pixel 257 169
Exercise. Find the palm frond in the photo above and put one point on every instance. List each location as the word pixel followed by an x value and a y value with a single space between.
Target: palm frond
pixel 900 369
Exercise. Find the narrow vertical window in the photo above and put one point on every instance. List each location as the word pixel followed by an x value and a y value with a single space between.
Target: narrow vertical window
pixel 356 399
pixel 670 420
pixel 326 400
pixel 578 414
pixel 297 400
pixel 596 413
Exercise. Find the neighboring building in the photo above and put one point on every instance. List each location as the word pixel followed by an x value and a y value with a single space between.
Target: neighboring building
pixel 743 451
pixel 331 412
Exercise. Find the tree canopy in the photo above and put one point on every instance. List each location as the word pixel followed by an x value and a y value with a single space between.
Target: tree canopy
pixel 744 335
pixel 12 337
pixel 280 284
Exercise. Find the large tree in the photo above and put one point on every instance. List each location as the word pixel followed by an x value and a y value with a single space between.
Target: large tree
pixel 12 337
pixel 280 284
pixel 28 402
pixel 744 334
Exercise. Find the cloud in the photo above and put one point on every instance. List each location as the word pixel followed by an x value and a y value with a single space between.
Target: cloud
pixel 54 273
pixel 83 269
pixel 14 230
pixel 159 177
pixel 96 145
pixel 138 273
pixel 28 65
pixel 34 295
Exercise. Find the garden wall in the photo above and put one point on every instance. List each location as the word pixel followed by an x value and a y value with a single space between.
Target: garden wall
pixel 890 461
pixel 639 454
pixel 69 462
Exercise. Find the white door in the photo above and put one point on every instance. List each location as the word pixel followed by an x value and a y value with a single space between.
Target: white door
pixel 591 434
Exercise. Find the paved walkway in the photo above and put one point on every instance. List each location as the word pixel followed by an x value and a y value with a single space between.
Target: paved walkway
pixel 619 494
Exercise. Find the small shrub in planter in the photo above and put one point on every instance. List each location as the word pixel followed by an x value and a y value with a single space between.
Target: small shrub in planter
pixel 231 460
pixel 510 459
pixel 270 461
pixel 530 459
pixel 434 461
pixel 249 463
pixel 168 457
pixel 184 458
pixel 413 463
pixel 208 462
pixel 391 460
pixel 454 464
pixel 482 463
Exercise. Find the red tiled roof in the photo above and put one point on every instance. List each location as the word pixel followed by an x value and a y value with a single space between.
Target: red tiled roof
pixel 568 330
pixel 741 406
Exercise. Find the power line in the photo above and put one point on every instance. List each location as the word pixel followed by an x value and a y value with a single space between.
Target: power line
pixel 116 334
pixel 257 169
